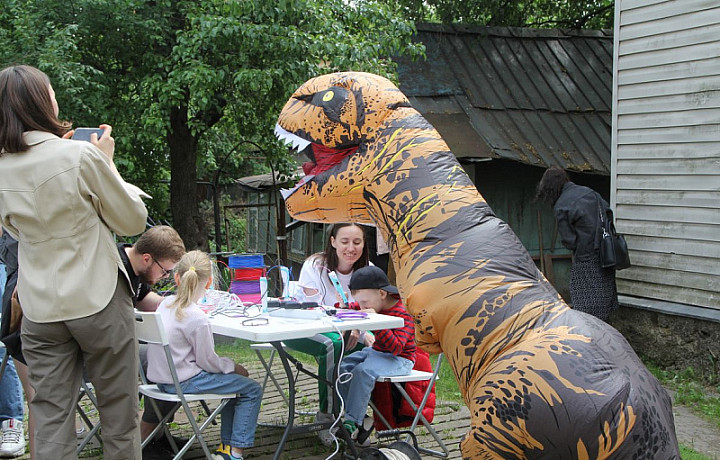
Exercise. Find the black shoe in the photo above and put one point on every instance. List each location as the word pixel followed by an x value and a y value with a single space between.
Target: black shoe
pixel 162 440
pixel 160 448
pixel 364 431
pixel 157 451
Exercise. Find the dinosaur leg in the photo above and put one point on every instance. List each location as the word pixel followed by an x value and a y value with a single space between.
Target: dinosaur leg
pixel 473 449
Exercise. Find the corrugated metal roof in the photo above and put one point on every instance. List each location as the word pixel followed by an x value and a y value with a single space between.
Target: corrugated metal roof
pixel 265 181
pixel 538 96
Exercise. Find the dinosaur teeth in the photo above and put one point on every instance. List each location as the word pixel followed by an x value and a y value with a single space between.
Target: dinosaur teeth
pixel 286 192
pixel 290 139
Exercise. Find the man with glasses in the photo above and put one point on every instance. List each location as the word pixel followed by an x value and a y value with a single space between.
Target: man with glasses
pixel 151 259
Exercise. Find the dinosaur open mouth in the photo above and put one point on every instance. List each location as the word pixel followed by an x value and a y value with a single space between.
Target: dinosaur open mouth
pixel 321 158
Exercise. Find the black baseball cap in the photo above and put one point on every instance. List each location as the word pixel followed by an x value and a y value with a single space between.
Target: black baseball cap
pixel 371 277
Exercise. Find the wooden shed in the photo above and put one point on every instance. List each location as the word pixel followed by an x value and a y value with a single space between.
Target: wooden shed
pixel 666 151
pixel 665 182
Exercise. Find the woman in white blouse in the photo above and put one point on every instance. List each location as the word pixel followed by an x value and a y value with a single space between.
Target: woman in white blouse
pixel 344 253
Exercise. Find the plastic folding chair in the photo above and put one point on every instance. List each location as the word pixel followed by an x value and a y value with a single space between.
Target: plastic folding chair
pixel 288 291
pixel 150 329
pixel 86 390
pixel 397 382
pixel 259 348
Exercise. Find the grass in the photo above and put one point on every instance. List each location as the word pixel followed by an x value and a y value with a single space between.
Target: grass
pixel 446 388
pixel 686 453
pixel 239 351
pixel 691 391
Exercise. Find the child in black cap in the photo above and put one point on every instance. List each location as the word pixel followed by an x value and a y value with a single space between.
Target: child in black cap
pixel 392 353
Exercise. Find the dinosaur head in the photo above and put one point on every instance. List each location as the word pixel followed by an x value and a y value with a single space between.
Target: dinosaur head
pixel 333 120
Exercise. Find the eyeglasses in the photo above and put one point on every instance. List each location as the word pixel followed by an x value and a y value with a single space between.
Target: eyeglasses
pixel 165 273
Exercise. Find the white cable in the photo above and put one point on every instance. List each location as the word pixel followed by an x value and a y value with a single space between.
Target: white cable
pixel 338 380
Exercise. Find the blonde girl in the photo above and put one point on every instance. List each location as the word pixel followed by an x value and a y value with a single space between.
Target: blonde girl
pixel 199 368
pixel 193 276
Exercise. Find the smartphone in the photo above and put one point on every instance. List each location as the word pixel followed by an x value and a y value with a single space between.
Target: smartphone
pixel 83 134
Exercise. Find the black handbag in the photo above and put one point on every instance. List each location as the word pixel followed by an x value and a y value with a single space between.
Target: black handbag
pixel 613 248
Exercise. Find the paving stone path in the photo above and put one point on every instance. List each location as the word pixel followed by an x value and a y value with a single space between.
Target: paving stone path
pixel 451 421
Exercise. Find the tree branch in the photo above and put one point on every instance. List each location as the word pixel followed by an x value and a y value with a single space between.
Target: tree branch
pixel 584 19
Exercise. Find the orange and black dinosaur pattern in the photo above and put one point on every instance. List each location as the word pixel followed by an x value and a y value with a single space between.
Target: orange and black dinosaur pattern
pixel 540 379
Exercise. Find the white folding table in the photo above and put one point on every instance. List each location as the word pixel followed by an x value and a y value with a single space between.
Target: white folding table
pixel 278 329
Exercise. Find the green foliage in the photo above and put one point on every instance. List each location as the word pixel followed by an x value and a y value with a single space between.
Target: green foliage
pixel 188 82
pixel 236 228
pixel 575 14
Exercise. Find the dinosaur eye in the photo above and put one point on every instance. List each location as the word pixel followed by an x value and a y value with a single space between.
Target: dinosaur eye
pixel 332 102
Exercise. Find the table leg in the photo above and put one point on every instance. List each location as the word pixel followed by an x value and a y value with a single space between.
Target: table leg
pixel 291 398
pixel 342 432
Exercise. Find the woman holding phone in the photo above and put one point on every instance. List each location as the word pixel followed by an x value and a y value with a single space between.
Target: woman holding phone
pixel 62 200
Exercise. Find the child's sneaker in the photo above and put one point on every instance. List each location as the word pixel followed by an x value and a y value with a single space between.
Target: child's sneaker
pixel 223 449
pixel 362 438
pixel 13 439
pixel 350 426
pixel 224 453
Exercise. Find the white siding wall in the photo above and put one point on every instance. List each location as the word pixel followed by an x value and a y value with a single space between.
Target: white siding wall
pixel 666 148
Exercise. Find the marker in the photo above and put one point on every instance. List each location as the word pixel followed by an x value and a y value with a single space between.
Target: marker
pixel 338 287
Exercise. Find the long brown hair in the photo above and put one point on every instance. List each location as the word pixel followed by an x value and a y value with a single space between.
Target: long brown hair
pixel 25 105
pixel 550 186
pixel 330 253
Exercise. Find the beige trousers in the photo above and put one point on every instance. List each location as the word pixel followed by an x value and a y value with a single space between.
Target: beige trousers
pixel 105 344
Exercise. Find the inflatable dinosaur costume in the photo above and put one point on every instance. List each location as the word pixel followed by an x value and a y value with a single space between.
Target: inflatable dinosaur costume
pixel 540 379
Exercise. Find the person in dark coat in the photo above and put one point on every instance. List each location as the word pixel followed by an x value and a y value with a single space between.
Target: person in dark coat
pixel 577 210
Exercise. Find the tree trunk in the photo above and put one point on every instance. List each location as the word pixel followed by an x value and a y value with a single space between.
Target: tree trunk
pixel 183 181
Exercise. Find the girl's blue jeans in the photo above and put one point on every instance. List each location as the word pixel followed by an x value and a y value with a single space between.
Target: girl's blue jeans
pixel 239 416
pixel 11 394
pixel 366 366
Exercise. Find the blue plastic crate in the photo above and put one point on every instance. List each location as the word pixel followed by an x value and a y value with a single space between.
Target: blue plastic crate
pixel 246 261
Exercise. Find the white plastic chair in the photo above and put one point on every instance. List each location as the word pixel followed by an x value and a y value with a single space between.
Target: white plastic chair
pixel 259 348
pixel 414 376
pixel 150 329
